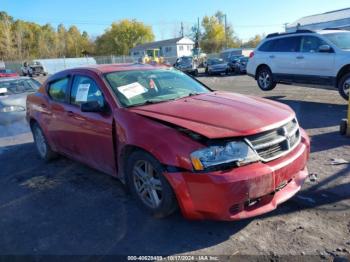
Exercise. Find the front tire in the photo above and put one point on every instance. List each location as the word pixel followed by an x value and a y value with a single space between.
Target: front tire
pixel 149 186
pixel 344 86
pixel 265 80
pixel 44 150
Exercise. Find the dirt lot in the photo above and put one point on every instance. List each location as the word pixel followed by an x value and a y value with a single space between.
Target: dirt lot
pixel 67 208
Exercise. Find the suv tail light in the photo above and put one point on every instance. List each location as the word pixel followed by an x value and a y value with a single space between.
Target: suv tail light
pixel 251 54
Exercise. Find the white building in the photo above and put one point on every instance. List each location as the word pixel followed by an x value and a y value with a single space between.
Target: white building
pixel 172 48
pixel 334 19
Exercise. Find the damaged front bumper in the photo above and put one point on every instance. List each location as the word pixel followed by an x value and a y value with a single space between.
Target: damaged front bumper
pixel 241 192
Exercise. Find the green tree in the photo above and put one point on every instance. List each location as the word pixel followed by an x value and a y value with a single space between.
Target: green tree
pixel 254 41
pixel 122 36
pixel 214 38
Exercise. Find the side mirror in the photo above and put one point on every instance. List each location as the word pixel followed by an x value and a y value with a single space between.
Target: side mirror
pixel 92 106
pixel 325 49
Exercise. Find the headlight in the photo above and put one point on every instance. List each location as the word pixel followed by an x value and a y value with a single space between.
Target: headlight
pixel 233 152
pixel 8 109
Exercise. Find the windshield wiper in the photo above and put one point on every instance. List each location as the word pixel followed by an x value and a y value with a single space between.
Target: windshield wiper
pixel 147 102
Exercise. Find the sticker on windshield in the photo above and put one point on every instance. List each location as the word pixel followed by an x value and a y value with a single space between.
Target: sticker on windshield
pixel 132 90
pixel 82 93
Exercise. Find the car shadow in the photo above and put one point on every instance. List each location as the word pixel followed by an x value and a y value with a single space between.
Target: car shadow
pixel 64 207
pixel 314 114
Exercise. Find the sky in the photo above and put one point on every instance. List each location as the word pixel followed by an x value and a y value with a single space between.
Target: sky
pixel 248 18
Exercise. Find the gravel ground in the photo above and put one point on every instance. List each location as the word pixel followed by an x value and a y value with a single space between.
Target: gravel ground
pixel 67 208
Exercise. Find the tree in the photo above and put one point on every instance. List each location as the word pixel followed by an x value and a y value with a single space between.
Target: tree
pixel 253 42
pixel 214 37
pixel 122 36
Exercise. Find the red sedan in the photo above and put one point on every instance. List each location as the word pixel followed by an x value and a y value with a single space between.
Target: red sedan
pixel 8 73
pixel 172 140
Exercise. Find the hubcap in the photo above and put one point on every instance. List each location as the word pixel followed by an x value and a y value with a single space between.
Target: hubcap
pixel 346 86
pixel 147 184
pixel 40 142
pixel 264 80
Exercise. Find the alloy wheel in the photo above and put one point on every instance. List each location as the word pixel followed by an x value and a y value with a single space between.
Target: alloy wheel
pixel 147 184
pixel 264 80
pixel 40 142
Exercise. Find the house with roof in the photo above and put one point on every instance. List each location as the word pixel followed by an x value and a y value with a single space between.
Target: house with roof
pixel 170 48
pixel 339 19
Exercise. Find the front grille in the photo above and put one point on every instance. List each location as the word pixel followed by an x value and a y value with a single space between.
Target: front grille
pixel 274 143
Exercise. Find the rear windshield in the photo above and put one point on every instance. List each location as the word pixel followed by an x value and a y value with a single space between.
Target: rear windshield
pixel 341 40
pixel 19 86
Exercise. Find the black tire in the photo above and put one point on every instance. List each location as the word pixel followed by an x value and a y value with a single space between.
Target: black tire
pixel 227 72
pixel 206 71
pixel 43 148
pixel 168 203
pixel 343 127
pixel 195 72
pixel 265 73
pixel 342 85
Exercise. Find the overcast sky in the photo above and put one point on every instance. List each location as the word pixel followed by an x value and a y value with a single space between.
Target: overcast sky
pixel 165 16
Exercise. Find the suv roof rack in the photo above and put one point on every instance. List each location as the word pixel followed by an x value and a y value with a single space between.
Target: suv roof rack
pixel 301 31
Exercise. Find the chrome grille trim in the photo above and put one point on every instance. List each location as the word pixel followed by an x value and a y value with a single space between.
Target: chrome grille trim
pixel 275 143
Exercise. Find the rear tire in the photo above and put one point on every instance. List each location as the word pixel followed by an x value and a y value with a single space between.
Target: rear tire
pixel 344 86
pixel 44 150
pixel 145 179
pixel 264 78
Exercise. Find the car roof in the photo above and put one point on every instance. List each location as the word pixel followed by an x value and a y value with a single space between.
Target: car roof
pixel 107 68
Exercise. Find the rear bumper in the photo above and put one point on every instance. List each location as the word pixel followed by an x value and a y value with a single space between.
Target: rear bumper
pixel 242 192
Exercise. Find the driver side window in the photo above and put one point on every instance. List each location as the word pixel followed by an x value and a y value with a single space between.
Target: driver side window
pixel 85 89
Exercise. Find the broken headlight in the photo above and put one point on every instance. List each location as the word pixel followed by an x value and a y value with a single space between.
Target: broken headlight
pixel 237 152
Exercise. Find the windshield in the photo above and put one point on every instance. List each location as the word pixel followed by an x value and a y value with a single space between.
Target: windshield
pixel 19 86
pixel 185 60
pixel 341 40
pixel 215 61
pixel 135 88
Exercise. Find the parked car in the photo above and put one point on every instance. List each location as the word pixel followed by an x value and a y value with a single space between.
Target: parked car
pixel 305 57
pixel 187 65
pixel 232 62
pixel 7 73
pixel 13 95
pixel 172 140
pixel 33 69
pixel 217 66
pixel 240 66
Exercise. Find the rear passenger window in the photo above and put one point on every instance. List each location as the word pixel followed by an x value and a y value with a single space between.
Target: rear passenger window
pixel 58 89
pixel 287 44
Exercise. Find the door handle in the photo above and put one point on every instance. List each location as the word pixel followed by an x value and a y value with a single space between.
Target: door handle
pixel 300 57
pixel 272 56
pixel 70 113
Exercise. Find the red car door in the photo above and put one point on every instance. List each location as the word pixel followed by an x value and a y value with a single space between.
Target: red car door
pixel 89 134
pixel 54 116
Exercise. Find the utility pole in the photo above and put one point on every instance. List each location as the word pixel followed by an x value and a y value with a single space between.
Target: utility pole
pixel 225 31
pixel 182 30
pixel 285 27
pixel 197 35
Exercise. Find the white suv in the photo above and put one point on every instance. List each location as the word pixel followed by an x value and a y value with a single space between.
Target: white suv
pixel 304 57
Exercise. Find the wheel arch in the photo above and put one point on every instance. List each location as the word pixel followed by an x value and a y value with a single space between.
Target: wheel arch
pixel 345 69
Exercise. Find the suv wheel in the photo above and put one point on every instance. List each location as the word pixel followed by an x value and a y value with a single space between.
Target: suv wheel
pixel 147 183
pixel 43 148
pixel 344 86
pixel 265 79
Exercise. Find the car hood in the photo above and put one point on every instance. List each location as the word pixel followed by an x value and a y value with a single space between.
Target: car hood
pixel 220 114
